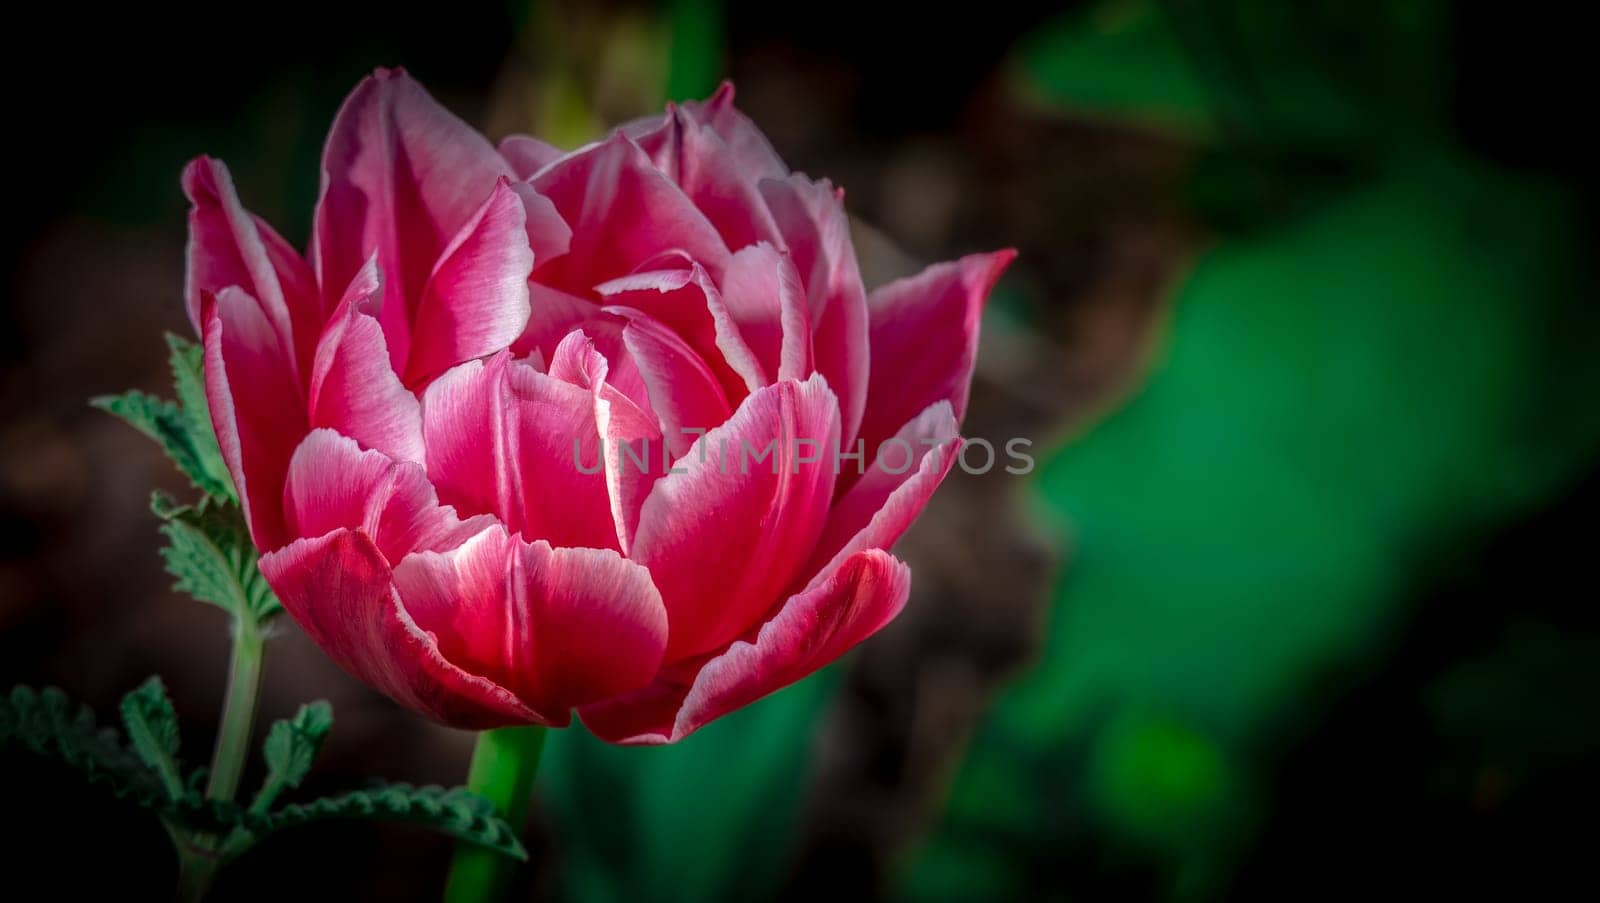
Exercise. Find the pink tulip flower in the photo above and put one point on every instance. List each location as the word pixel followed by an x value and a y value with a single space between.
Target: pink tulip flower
pixel 481 431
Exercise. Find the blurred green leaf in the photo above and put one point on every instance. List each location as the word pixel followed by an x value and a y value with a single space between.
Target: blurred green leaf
pixel 1398 370
pixel 1357 77
pixel 709 818
pixel 152 727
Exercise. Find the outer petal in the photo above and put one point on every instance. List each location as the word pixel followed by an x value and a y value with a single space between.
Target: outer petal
pixel 817 234
pixel 354 390
pixel 500 438
pixel 476 301
pixel 873 513
pixel 812 629
pixel 623 212
pixel 925 340
pixel 728 533
pixel 401 176
pixel 230 247
pixel 333 484
pixel 559 627
pixel 340 589
pixel 255 406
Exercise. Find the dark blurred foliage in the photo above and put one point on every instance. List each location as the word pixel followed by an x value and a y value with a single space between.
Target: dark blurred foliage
pixel 1297 604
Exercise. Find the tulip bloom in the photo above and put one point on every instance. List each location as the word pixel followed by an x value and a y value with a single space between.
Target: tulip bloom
pixel 478 429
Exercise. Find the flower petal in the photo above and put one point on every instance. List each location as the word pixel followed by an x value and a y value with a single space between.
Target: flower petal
pixel 476 301
pixel 687 302
pixel 727 533
pixel 693 155
pixel 750 148
pixel 340 589
pixel 881 505
pixel 354 390
pixel 527 154
pixel 811 629
pixel 333 484
pixel 924 339
pixel 816 233
pixel 623 212
pixel 764 297
pixel 255 407
pixel 401 176
pixel 683 392
pixel 559 627
pixel 228 246
pixel 501 440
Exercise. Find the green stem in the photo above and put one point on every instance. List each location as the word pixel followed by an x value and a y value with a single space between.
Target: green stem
pixel 238 712
pixel 195 872
pixel 503 765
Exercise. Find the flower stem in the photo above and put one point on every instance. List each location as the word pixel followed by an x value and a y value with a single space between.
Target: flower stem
pixel 503 766
pixel 238 711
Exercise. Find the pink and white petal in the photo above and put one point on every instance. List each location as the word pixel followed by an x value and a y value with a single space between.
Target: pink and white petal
pixel 683 392
pixel 354 388
pixel 341 591
pixel 816 233
pixel 633 452
pixel 553 313
pixel 763 295
pixel 812 628
pixel 559 627
pixel 230 246
pixel 256 407
pixel 875 511
pixel 527 154
pixel 707 170
pixel 463 427
pixel 623 212
pixel 751 149
pixel 507 440
pixel 476 301
pixel 333 484
pixel 924 335
pixel 687 302
pixel 548 234
pixel 401 176
pixel 727 534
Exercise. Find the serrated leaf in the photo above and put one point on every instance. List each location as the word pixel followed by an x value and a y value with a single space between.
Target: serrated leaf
pixel 290 748
pixel 210 553
pixel 152 727
pixel 454 811
pixel 187 360
pixel 47 723
pixel 170 427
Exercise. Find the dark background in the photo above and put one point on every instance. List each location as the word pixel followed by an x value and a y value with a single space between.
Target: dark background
pixel 1299 603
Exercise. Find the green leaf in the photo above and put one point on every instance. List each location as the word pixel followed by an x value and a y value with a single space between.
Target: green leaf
pixel 47 723
pixel 455 811
pixel 184 429
pixel 290 748
pixel 187 360
pixel 152 726
pixel 1400 370
pixel 210 552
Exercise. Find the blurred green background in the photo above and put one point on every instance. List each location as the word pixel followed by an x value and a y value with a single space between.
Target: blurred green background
pixel 1297 604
